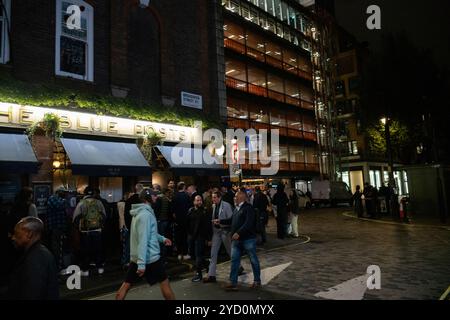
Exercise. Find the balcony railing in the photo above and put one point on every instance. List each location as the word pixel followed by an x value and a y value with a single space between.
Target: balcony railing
pixel 283 130
pixel 262 57
pixel 267 93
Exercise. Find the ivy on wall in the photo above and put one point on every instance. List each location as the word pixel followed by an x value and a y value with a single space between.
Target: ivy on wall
pixel 53 96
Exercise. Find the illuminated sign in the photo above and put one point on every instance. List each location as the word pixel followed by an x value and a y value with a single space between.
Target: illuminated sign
pixel 14 115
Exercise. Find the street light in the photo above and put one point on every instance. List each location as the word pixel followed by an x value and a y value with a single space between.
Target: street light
pixel 386 123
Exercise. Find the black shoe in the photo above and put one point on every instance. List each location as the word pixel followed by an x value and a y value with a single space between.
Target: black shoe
pixel 210 280
pixel 241 271
pixel 198 277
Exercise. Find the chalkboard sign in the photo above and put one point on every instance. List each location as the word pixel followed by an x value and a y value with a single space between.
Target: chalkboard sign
pixel 73 56
pixel 41 194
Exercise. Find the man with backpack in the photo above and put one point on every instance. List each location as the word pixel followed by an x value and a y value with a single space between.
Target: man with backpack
pixel 90 215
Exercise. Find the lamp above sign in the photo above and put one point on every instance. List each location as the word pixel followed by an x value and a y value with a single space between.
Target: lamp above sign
pixel 191 100
pixel 144 3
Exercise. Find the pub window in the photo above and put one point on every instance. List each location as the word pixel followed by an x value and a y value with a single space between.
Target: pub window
pixel 74 54
pixel 5 16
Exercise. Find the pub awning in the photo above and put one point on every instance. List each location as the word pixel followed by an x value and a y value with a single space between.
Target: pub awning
pixel 105 158
pixel 16 154
pixel 191 161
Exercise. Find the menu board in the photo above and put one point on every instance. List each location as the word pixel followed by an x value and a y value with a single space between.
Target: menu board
pixel 41 194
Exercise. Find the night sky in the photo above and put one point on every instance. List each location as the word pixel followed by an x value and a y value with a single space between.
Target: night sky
pixel 427 23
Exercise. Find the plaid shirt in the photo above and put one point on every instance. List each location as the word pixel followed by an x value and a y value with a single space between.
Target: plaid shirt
pixel 56 213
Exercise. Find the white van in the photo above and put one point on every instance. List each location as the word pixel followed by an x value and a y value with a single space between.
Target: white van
pixel 330 192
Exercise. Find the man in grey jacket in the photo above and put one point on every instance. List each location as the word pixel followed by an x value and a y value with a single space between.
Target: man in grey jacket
pixel 222 214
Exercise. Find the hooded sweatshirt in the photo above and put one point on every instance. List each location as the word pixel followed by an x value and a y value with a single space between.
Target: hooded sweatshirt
pixel 144 237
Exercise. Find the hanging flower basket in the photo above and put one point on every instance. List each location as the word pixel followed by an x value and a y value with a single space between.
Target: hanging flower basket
pixel 147 143
pixel 50 126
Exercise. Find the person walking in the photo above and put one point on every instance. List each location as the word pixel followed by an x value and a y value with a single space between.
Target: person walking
pixel 357 202
pixel 35 276
pixel 200 232
pixel 243 230
pixel 281 201
pixel 57 225
pixel 180 205
pixel 220 227
pixel 145 258
pixel 261 203
pixel 90 215
pixel 295 212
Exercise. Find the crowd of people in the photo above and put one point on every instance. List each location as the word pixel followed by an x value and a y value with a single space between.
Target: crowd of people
pixel 372 201
pixel 152 225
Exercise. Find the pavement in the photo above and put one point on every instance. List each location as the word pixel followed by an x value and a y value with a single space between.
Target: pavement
pixel 331 261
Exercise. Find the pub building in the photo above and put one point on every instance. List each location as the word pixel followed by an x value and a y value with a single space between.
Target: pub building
pixel 129 69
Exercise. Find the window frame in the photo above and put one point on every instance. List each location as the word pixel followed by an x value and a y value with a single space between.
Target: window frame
pixel 6 23
pixel 89 74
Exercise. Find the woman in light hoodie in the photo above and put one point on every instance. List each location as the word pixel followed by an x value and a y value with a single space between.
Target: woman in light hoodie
pixel 145 258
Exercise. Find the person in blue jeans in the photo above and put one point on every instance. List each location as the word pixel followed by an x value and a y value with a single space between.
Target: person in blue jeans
pixel 243 230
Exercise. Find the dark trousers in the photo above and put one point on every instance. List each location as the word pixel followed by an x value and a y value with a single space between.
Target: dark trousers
pixel 163 229
pixel 281 225
pixel 91 249
pixel 181 239
pixel 56 246
pixel 199 246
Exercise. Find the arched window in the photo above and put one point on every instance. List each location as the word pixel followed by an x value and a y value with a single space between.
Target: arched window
pixel 5 17
pixel 74 47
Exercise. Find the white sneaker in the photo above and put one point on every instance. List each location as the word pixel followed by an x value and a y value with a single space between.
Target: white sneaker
pixel 101 270
pixel 85 273
pixel 180 257
pixel 186 257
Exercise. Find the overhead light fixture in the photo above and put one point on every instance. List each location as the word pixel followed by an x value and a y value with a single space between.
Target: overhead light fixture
pixel 230 71
pixel 220 151
pixel 144 3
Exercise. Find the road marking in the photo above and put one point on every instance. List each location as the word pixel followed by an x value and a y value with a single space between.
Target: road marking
pixel 353 289
pixel 267 274
pixel 445 294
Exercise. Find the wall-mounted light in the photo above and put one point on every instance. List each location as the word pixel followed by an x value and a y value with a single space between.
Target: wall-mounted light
pixel 144 3
pixel 220 151
pixel 56 164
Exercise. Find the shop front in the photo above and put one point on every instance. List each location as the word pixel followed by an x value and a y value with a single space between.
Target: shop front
pixel 96 150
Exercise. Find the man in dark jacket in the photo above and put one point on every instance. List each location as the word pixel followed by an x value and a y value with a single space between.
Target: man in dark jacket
pixel 243 230
pixel 35 276
pixel 134 199
pixel 228 195
pixel 199 229
pixel 281 200
pixel 260 203
pixel 180 205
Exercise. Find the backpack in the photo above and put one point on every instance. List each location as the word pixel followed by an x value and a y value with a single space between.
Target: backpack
pixel 92 218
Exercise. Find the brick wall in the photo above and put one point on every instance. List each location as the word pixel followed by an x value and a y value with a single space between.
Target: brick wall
pixel 157 51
